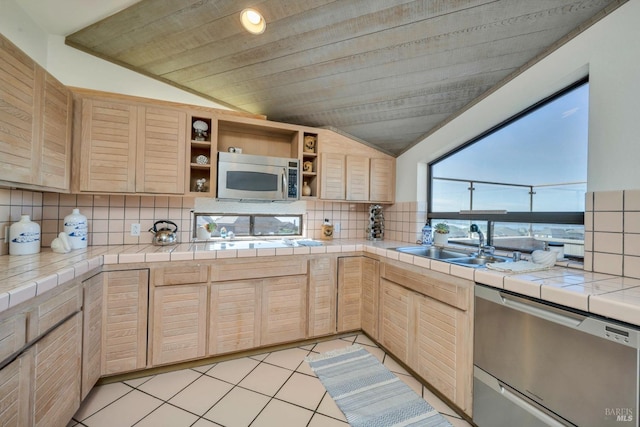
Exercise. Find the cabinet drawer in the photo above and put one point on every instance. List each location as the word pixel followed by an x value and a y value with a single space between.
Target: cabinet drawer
pixel 47 314
pixel 13 335
pixel 258 268
pixel 180 274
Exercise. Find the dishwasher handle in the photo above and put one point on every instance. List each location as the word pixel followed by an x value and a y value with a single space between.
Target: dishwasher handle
pixel 564 318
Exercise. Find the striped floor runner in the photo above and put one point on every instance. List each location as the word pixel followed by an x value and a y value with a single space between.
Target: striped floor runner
pixel 368 393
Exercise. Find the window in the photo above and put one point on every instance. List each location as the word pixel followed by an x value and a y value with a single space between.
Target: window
pixel 250 225
pixel 523 182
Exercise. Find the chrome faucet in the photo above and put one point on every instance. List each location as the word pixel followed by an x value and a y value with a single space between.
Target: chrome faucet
pixel 481 247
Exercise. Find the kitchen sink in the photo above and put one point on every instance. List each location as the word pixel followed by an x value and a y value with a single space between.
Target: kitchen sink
pixel 432 252
pixel 452 256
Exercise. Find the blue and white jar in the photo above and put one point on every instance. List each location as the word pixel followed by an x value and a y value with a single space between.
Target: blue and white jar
pixel 24 237
pixel 427 239
pixel 75 226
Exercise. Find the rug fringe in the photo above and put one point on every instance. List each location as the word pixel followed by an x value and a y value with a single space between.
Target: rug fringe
pixel 333 353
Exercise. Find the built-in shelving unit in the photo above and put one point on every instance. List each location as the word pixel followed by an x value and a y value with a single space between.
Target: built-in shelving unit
pixel 202 156
pixel 309 166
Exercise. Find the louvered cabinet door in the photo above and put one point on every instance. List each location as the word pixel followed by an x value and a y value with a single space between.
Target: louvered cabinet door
pixel 57 116
pixel 357 178
pixel 370 295
pixel 322 296
pixel 92 332
pixel 161 148
pixel 382 180
pixel 235 315
pixel 124 333
pixel 15 388
pixel 57 366
pixel 179 323
pixel 284 309
pixel 349 293
pixel 395 314
pixel 441 351
pixel 108 147
pixel 332 176
pixel 18 118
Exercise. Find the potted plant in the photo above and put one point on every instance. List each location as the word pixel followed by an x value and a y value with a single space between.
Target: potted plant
pixel 440 234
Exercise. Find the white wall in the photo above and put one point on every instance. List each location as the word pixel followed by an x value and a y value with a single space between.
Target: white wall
pixel 609 53
pixel 75 68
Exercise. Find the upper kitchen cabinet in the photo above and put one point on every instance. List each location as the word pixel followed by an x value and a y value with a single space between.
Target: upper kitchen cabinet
pixel 35 124
pixel 352 171
pixel 123 146
pixel 258 137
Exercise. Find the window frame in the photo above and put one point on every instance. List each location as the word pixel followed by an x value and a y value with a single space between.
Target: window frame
pixel 547 217
pixel 252 217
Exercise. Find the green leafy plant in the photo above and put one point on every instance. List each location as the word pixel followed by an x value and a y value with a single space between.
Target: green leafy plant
pixel 441 228
pixel 211 226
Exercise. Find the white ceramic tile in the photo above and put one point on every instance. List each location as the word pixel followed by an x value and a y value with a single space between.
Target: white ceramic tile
pixel 632 244
pixel 623 305
pixel 238 408
pixel 290 358
pixel 608 200
pixel 632 200
pixel 607 263
pixel 443 267
pixel 608 221
pixel 279 414
pixel 266 379
pixel 200 396
pixel 164 386
pixel 168 416
pixel 46 284
pixel 463 272
pixel 302 390
pixel 128 410
pixel 588 201
pixel 22 294
pixel 4 301
pixel 490 278
pixel 607 242
pixel 522 286
pixel 570 296
pixel 631 266
pixel 632 222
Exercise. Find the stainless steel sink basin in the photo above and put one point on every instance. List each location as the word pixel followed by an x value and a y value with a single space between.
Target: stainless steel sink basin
pixel 475 261
pixel 452 256
pixel 432 252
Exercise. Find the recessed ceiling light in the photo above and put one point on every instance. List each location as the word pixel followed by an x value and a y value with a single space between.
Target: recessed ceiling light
pixel 253 21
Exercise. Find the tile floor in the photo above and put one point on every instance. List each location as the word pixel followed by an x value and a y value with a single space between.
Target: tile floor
pixel 270 389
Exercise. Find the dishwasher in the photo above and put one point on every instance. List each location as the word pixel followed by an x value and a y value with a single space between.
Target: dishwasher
pixel 540 364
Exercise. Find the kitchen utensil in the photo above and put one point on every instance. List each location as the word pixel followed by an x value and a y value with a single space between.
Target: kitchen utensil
pixel 164 236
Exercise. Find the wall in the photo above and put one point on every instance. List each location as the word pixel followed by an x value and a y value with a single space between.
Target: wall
pixel 604 52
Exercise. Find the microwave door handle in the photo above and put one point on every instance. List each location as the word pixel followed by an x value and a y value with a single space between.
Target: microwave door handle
pixel 285 184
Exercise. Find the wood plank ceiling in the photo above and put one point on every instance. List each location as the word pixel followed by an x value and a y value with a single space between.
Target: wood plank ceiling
pixel 386 72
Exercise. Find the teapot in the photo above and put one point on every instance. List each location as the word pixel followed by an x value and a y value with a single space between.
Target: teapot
pixel 164 236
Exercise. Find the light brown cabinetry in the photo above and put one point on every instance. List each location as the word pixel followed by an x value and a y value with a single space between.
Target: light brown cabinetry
pixel 35 123
pixel 370 296
pixel 357 178
pixel 426 321
pixel 357 182
pixel 92 332
pixel 126 147
pixel 322 296
pixel 56 384
pixel 15 388
pixel 349 293
pixel 124 334
pixel 284 309
pixel 382 174
pixel 332 176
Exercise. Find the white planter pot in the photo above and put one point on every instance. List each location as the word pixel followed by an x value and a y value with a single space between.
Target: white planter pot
pixel 75 225
pixel 440 239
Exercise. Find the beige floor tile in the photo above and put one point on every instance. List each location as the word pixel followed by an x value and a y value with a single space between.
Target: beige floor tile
pixel 394 366
pixel 325 346
pixel 329 407
pixel 233 371
pixel 377 352
pixel 137 382
pixel 411 382
pixel 302 390
pixel 167 385
pixel 238 408
pixel 266 379
pixel 99 397
pixel 304 368
pixel 205 423
pixel 289 359
pixel 127 410
pixel 203 368
pixel 168 416
pixel 365 340
pixel 279 414
pixel 260 357
pixel 436 402
pixel 457 422
pixel 319 420
pixel 199 396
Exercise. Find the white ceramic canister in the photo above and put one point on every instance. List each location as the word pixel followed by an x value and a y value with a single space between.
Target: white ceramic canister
pixel 24 237
pixel 75 226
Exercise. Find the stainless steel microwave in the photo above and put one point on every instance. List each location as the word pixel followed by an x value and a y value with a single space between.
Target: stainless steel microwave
pixel 261 178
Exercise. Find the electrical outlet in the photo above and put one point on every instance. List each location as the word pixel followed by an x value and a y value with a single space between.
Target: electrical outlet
pixel 135 229
pixel 336 227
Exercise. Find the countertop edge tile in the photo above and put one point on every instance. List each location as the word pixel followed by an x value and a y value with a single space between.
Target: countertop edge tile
pixel 521 286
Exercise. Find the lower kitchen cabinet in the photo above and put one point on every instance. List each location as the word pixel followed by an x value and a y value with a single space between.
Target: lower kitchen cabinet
pixel 284 309
pixel 370 296
pixel 322 296
pixel 15 386
pixel 92 332
pixel 349 293
pixel 56 374
pixel 178 324
pixel 124 334
pixel 395 319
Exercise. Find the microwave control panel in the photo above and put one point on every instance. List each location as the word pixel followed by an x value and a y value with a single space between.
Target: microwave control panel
pixel 292 191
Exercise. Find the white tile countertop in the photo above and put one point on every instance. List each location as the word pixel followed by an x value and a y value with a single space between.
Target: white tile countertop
pixel 24 277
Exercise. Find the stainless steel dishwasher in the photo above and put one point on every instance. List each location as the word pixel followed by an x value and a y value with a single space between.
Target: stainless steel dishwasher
pixel 538 364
